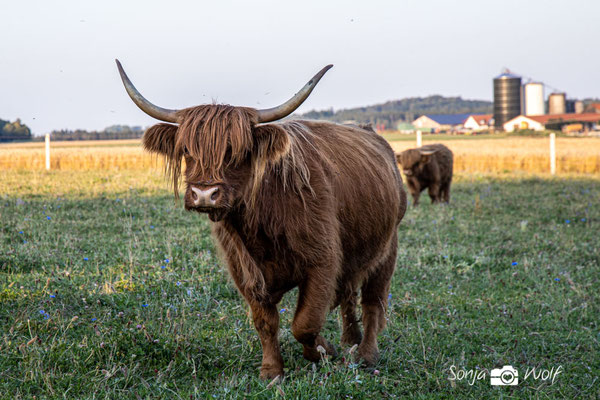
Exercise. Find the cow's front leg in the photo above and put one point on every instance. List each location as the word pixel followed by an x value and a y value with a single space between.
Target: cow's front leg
pixel 434 193
pixel 266 322
pixel 314 299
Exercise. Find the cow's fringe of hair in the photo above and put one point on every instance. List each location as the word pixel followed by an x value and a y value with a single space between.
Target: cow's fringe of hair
pixel 209 131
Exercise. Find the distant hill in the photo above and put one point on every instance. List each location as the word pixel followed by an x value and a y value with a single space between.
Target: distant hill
pixel 405 110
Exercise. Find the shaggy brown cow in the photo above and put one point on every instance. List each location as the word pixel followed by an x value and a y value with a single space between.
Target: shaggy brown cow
pixel 309 204
pixel 430 167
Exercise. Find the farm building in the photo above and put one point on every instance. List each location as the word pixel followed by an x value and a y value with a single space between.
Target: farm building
pixel 587 121
pixel 592 108
pixel 479 122
pixel 440 122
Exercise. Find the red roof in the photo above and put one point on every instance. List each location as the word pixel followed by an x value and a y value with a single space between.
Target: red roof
pixel 544 119
pixel 593 107
pixel 482 118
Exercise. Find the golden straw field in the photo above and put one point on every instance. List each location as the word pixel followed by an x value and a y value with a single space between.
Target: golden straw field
pixel 510 154
pixel 472 155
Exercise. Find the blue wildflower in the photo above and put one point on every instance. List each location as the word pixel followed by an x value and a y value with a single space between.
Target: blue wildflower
pixel 167 260
pixel 85 258
pixel 24 241
pixel 582 219
pixel 144 305
pixel 514 263
pixel 42 312
pixel 567 221
pixel 163 266
pixel 282 310
pixel 46 316
pixel 93 319
pixel 178 283
pixel 52 296
pixel 557 279
pixel 151 226
pixel 21 232
pixel 389 296
pixel 48 218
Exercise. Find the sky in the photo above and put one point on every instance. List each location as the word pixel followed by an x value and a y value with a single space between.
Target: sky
pixel 57 68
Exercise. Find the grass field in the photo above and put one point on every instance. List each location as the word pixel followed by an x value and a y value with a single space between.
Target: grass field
pixel 108 289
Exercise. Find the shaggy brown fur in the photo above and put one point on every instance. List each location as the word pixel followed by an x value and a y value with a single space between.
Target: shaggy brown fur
pixel 430 167
pixel 313 205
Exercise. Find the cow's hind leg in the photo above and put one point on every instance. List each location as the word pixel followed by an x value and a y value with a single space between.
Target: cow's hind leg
pixel 374 293
pixel 446 192
pixel 314 299
pixel 350 331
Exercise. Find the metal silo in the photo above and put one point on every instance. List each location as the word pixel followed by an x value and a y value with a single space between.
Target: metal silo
pixel 557 103
pixel 534 98
pixel 507 98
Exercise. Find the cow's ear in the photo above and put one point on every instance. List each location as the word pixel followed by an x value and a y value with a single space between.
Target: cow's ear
pixel 272 142
pixel 426 155
pixel 160 139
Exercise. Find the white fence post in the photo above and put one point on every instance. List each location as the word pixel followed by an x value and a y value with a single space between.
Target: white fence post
pixel 47 151
pixel 419 141
pixel 553 154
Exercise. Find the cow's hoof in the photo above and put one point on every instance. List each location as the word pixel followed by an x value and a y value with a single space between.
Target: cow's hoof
pixel 368 355
pixel 330 349
pixel 270 373
pixel 321 348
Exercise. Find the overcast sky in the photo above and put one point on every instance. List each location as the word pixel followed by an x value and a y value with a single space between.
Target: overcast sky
pixel 57 68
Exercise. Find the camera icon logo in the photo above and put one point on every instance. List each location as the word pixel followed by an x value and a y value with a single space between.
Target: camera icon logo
pixel 505 376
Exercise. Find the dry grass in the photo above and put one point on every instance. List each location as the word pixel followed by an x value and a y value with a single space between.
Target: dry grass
pixel 78 155
pixel 573 155
pixel 509 154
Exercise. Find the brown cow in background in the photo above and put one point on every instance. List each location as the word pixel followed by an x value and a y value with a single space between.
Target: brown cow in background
pixel 293 204
pixel 428 167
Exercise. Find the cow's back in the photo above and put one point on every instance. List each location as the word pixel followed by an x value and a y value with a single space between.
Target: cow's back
pixel 367 188
pixel 444 159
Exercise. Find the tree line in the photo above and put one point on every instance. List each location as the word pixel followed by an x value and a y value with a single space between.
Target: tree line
pixel 114 132
pixel 14 131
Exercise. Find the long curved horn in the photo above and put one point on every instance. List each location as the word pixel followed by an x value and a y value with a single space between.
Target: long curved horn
pixel 160 113
pixel 275 113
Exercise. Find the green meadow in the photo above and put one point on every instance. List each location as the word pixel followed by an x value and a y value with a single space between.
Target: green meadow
pixel 109 289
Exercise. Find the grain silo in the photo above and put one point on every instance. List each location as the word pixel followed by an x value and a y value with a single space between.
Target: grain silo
pixel 557 103
pixel 579 107
pixel 534 98
pixel 507 98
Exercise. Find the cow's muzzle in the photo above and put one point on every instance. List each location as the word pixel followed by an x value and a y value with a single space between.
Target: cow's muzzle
pixel 205 198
